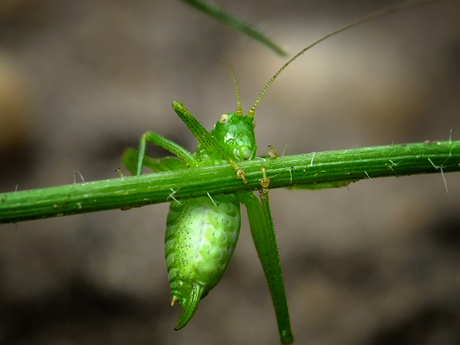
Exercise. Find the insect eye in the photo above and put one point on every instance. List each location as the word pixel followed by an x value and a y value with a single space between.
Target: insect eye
pixel 253 123
pixel 223 119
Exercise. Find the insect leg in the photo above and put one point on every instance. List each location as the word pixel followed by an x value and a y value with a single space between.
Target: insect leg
pixel 263 235
pixel 239 172
pixel 161 141
pixel 130 158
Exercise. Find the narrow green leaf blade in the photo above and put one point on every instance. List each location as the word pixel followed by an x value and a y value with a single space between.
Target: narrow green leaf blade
pixel 234 23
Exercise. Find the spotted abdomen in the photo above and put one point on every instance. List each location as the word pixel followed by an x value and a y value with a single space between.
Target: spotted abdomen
pixel 201 235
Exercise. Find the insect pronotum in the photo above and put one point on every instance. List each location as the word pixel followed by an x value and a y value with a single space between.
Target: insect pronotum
pixel 202 232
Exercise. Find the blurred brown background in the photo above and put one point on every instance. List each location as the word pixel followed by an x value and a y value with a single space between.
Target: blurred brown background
pixel 81 80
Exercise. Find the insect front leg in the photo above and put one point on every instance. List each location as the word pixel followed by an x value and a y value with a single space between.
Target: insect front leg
pixel 240 174
pixel 263 235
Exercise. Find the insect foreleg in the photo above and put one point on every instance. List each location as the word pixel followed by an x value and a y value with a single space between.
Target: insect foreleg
pixel 161 141
pixel 263 235
pixel 239 172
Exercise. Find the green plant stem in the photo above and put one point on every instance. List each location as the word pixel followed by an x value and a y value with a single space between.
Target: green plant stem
pixel 313 170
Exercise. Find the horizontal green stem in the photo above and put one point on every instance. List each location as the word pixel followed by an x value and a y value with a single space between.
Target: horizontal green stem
pixel 325 169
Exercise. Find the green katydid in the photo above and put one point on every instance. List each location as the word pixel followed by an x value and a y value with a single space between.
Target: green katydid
pixel 202 232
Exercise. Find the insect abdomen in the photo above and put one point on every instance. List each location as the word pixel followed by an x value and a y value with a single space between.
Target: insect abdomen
pixel 199 243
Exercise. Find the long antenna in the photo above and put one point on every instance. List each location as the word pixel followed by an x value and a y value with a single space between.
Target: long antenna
pixel 381 13
pixel 239 110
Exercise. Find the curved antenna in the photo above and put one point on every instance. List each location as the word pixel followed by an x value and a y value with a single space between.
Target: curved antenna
pixel 381 13
pixel 239 110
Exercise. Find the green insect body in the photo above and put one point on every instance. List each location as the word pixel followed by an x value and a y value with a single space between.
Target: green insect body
pixel 202 232
pixel 201 235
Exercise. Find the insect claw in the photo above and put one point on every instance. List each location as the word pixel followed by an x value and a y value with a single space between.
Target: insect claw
pixel 118 170
pixel 241 175
pixel 265 181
